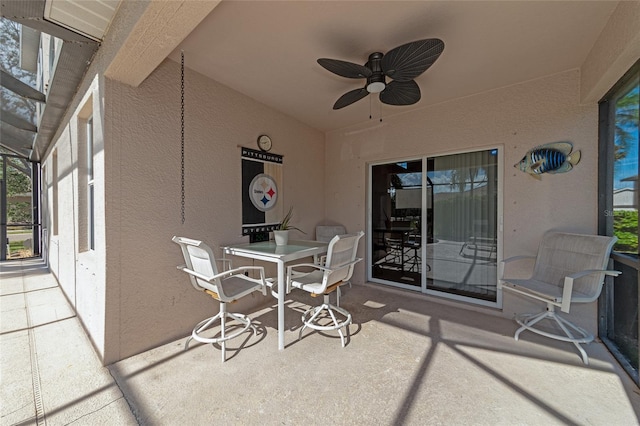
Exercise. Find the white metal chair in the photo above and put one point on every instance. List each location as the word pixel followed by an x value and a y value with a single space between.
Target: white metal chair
pixel 412 247
pixel 395 251
pixel 324 279
pixel 325 233
pixel 226 287
pixel 569 268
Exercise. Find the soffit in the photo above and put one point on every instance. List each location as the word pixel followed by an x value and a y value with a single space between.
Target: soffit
pixel 90 18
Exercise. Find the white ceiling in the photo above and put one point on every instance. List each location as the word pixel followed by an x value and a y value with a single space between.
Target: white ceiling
pixel 268 50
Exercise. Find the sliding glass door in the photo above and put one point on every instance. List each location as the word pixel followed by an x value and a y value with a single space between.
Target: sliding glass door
pixel 434 225
pixel 463 260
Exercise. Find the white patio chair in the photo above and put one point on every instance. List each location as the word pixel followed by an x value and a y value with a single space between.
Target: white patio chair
pixel 569 268
pixel 395 250
pixel 226 287
pixel 325 279
pixel 325 233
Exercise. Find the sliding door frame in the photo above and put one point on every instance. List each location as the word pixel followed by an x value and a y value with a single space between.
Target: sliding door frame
pixel 424 288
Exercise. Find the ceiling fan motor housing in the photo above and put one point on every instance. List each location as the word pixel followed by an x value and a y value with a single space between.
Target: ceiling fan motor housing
pixel 376 82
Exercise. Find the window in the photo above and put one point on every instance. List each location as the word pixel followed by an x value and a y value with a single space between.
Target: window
pixel 86 177
pixel 54 190
pixel 618 189
pixel 90 186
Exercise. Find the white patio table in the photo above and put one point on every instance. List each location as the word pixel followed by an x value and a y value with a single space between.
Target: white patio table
pixel 268 251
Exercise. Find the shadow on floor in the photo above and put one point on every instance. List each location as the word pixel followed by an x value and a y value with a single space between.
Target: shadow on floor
pixel 409 360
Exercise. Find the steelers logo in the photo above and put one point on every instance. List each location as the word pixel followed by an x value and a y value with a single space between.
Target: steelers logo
pixel 263 192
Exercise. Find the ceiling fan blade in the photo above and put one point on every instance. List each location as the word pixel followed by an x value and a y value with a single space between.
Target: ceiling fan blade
pixel 408 61
pixel 400 93
pixel 350 97
pixel 345 69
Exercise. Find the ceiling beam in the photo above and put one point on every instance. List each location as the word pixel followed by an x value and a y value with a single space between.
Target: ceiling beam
pixel 16 86
pixel 21 138
pixel 160 29
pixel 18 122
pixel 17 141
pixel 21 152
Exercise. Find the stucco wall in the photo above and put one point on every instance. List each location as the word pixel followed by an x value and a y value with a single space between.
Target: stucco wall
pixel 90 271
pixel 63 242
pixel 80 271
pixel 128 293
pixel 615 51
pixel 517 118
pixel 155 303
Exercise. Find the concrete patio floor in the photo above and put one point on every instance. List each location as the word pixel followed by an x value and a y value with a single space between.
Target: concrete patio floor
pixel 409 361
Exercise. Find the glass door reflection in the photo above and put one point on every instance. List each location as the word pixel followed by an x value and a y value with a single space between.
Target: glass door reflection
pixel 397 222
pixel 464 259
pixel 434 225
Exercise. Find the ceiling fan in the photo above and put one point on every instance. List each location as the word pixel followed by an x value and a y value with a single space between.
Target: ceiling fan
pixel 401 65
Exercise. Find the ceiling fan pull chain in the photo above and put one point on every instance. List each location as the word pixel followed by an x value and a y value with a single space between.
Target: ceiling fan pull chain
pixel 182 133
pixel 370 107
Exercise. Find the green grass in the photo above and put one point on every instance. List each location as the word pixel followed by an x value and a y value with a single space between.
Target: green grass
pixel 18 231
pixel 16 245
pixel 17 250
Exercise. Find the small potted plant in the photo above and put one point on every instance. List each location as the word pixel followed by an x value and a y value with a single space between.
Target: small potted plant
pixel 281 233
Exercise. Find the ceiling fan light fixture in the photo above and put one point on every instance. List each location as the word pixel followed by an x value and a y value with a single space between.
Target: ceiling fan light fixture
pixel 376 87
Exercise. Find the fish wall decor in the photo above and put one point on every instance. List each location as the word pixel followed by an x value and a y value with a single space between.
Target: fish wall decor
pixel 555 157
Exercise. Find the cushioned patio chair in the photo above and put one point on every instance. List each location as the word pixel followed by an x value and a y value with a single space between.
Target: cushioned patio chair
pixel 325 279
pixel 568 269
pixel 226 287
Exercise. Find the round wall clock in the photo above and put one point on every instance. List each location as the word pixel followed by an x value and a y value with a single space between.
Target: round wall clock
pixel 264 143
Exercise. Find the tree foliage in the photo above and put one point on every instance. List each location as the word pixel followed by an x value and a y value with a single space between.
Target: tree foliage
pixel 626 122
pixel 18 176
pixel 18 184
pixel 625 227
pixel 10 62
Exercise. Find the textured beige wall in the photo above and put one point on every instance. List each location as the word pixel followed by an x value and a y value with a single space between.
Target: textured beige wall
pixel 156 303
pixel 517 118
pixel 615 51
pixel 90 270
pixel 127 293
pixel 82 275
pixel 79 271
pixel 134 299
